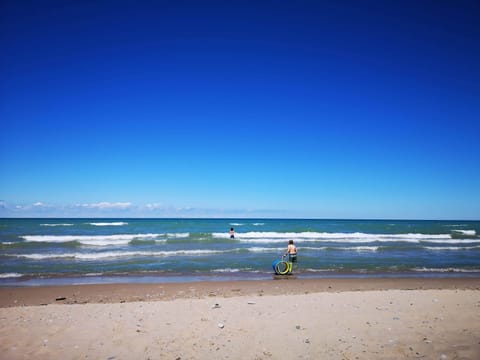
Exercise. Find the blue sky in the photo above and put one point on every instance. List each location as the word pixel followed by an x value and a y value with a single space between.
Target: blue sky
pixel 344 109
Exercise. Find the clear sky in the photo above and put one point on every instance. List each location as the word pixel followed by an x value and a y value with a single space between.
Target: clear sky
pixel 318 109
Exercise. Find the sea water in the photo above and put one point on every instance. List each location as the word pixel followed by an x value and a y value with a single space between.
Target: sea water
pixel 64 251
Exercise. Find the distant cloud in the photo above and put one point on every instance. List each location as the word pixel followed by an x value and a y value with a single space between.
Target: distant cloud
pixel 107 205
pixel 39 204
pixel 154 206
pixel 124 209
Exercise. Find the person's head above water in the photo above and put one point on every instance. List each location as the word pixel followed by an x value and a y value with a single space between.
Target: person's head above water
pixel 290 241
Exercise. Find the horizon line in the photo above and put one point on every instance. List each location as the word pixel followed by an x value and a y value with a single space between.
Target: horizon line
pixel 233 218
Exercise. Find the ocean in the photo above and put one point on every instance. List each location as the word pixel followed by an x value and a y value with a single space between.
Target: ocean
pixel 78 251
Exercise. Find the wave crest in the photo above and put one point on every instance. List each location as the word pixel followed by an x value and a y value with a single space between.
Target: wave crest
pixel 115 254
pixel 118 223
pixel 10 275
pixel 96 240
pixel 466 232
pixel 319 236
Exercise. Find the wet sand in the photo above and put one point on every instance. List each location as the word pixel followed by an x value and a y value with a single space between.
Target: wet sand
pixel 281 285
pixel 301 319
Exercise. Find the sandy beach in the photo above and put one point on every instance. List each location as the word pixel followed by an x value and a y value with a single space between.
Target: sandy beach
pixel 298 319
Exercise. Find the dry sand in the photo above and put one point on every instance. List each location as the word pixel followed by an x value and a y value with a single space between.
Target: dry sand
pixel 294 319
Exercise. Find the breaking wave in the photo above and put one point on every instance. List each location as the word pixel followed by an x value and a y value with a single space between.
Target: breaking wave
pixel 96 240
pixel 10 275
pixel 466 232
pixel 451 248
pixel 331 237
pixel 178 235
pixel 446 270
pixel 115 254
pixel 118 223
pixel 352 238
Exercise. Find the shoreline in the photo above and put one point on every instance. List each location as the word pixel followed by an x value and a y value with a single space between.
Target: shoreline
pixel 17 296
pixel 18 280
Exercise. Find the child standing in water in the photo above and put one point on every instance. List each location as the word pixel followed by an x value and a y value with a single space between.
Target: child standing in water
pixel 291 252
pixel 232 233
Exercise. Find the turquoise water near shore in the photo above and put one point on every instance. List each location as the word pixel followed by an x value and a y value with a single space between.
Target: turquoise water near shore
pixel 38 251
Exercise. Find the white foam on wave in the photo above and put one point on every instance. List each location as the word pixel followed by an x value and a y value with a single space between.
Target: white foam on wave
pixel 453 248
pixel 262 241
pixel 342 248
pixel 311 248
pixel 7 243
pixel 359 248
pixel 331 237
pixel 466 232
pixel 117 223
pixel 178 235
pixel 452 241
pixel 265 249
pixel 350 241
pixel 96 240
pixel 115 254
pixel 258 224
pixel 314 248
pixel 446 270
pixel 10 275
pixel 226 270
pixel 42 256
pixel 236 224
pixel 233 270
pixel 56 224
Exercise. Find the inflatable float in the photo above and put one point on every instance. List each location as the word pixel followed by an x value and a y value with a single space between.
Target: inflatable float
pixel 282 267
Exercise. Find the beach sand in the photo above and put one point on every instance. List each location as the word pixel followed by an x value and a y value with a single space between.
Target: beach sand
pixel 276 319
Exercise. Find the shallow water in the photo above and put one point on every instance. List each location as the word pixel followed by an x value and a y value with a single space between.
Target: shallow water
pixel 35 251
